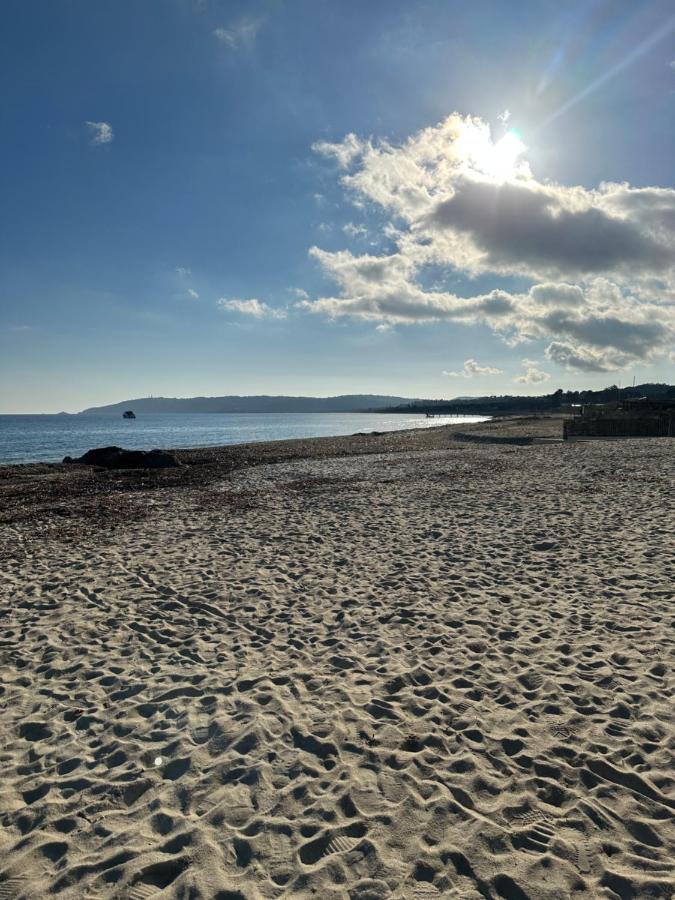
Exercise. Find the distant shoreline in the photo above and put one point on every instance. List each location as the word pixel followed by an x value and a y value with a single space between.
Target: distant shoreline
pixel 43 483
pixel 284 412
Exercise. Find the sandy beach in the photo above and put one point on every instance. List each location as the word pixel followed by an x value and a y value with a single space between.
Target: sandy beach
pixel 409 665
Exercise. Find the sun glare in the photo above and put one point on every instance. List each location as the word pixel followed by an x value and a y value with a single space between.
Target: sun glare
pixel 499 161
pixel 503 161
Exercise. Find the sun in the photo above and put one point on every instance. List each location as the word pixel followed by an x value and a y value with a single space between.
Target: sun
pixel 498 161
pixel 502 163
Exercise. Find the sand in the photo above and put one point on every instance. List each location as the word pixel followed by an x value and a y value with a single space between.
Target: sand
pixel 397 667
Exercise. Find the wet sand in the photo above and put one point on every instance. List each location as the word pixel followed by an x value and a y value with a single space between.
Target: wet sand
pixel 405 666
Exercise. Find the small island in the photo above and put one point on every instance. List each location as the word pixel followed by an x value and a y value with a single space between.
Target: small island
pixel 129 414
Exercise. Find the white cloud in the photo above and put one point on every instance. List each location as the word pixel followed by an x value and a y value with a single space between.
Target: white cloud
pixel 299 292
pixel 192 294
pixel 354 231
pixel 344 152
pixel 255 308
pixel 240 34
pixel 182 271
pixel 600 263
pixel 471 369
pixel 533 373
pixel 100 132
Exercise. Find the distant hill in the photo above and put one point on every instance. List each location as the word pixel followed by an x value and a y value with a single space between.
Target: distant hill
pixel 258 404
pixel 486 406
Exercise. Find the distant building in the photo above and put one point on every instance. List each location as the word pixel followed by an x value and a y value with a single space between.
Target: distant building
pixel 639 417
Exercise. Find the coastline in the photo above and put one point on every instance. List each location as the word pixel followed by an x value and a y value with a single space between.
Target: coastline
pixel 34 441
pixel 30 491
pixel 386 666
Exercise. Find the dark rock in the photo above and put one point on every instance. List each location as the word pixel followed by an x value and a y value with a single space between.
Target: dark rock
pixel 545 545
pixel 118 458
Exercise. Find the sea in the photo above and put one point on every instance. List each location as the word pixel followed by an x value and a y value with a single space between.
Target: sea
pixel 48 438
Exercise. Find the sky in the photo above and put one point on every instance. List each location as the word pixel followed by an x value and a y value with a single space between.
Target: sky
pixel 323 197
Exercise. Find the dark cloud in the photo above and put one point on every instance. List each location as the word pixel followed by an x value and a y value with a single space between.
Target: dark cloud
pixel 653 207
pixel 524 227
pixel 569 295
pixel 495 304
pixel 634 338
pixel 571 357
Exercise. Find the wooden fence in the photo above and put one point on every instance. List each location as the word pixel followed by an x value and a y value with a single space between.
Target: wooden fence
pixel 660 425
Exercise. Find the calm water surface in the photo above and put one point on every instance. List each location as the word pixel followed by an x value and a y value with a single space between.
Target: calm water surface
pixel 50 438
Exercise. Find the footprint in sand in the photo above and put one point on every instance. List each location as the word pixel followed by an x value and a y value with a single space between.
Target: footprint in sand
pixel 537 838
pixel 616 729
pixel 393 788
pixel 531 680
pixel 342 844
pixel 12 889
pixel 424 891
pixel 608 683
pixel 266 799
pixel 584 856
pixel 156 878
pixel 278 861
pixel 562 730
pixel 398 869
pixel 360 696
pixel 277 847
pixel 285 762
pixel 234 805
pixel 201 731
pixel 530 817
pixel 142 892
pixel 366 792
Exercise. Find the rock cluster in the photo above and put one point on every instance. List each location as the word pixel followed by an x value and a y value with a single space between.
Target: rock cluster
pixel 118 458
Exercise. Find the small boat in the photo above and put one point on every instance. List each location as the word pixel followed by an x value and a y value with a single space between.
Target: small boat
pixel 129 414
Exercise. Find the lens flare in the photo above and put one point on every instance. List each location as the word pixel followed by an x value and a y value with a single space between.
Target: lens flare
pixel 622 64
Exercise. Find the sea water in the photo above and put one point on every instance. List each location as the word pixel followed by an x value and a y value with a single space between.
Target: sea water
pixel 49 438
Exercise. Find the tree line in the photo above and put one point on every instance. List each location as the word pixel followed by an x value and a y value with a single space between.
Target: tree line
pixel 516 405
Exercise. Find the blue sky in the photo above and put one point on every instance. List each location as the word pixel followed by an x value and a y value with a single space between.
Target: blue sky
pixel 168 168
